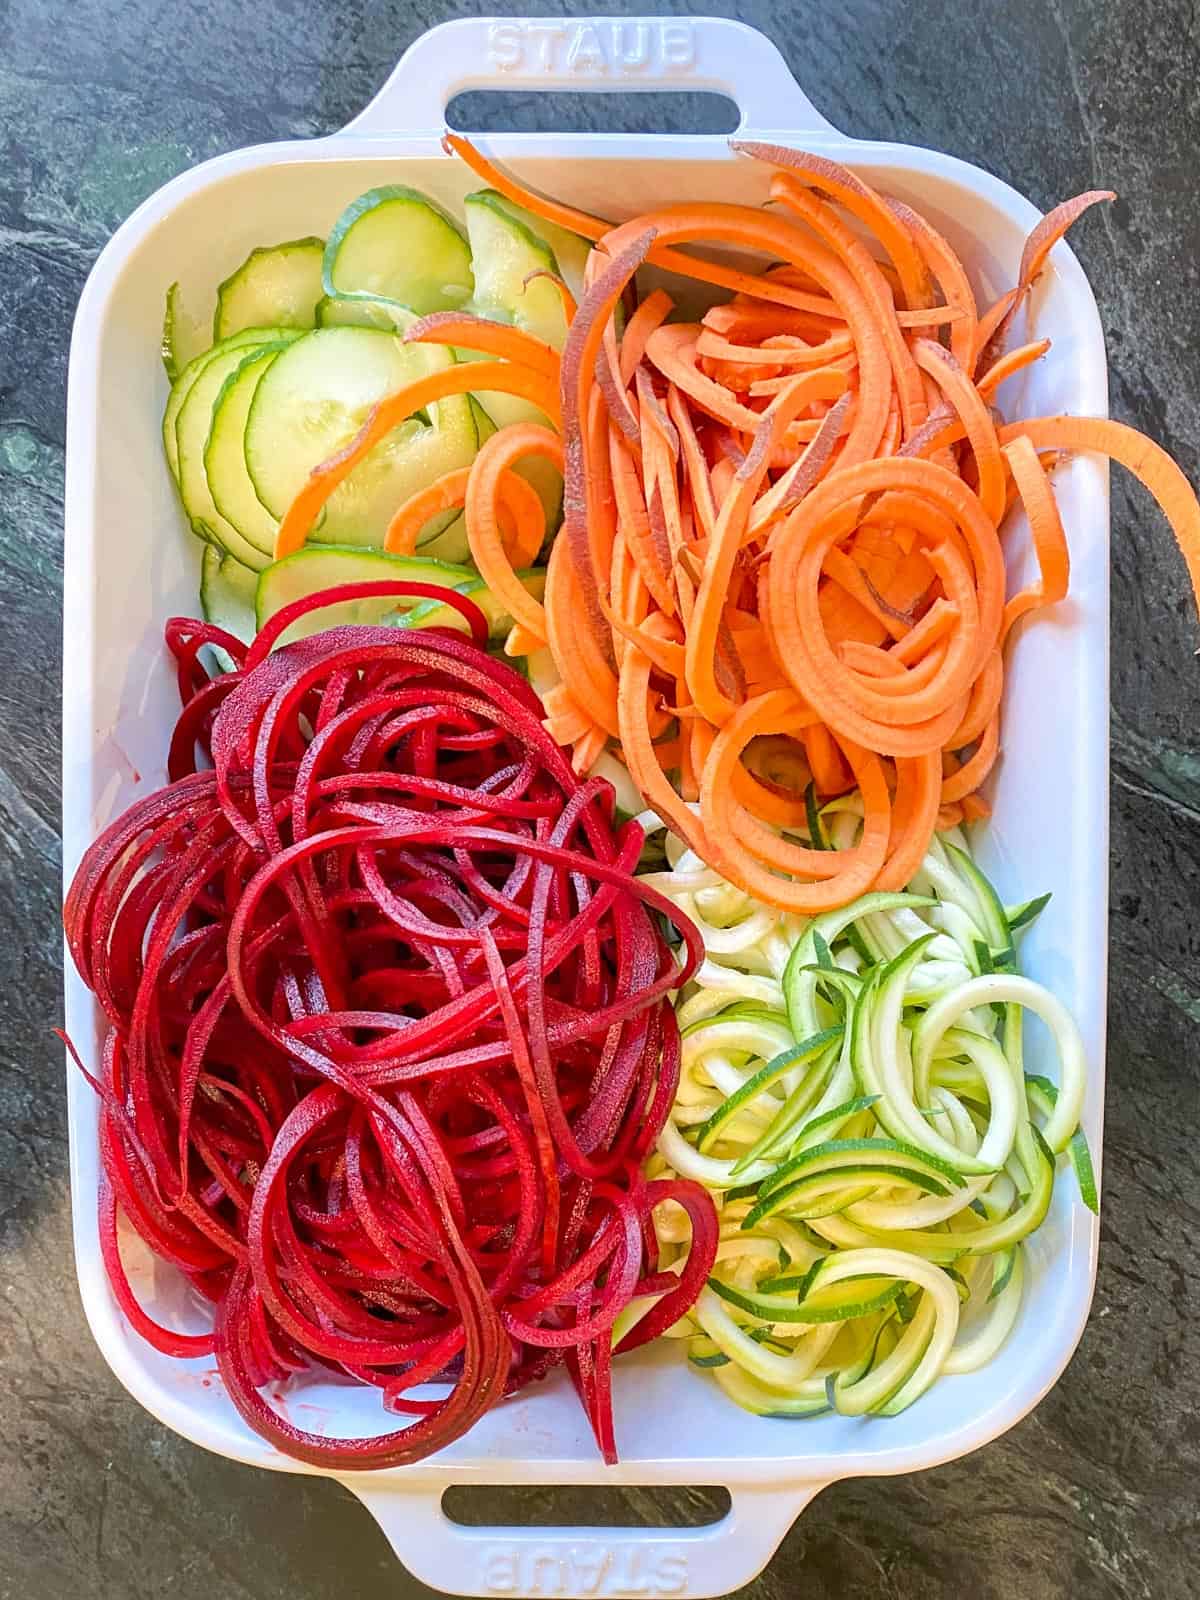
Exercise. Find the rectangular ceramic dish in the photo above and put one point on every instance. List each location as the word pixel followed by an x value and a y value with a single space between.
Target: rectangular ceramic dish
pixel 129 566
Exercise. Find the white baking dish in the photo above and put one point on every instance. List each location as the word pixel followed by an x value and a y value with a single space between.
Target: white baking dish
pixel 129 565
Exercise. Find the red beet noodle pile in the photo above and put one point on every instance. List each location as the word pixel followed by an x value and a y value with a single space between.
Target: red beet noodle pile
pixel 389 1033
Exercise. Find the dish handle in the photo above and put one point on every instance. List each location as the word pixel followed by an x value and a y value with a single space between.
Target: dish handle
pixel 595 1562
pixel 590 54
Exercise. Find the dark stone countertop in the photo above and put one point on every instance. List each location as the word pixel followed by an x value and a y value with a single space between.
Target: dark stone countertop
pixel 100 102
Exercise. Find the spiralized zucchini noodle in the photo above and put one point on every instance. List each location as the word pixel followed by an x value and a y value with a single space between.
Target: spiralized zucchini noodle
pixel 854 1096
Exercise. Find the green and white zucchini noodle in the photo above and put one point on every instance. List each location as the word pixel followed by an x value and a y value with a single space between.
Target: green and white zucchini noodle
pixel 853 1093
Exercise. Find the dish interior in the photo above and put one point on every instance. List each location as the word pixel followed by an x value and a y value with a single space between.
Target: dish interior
pixel 131 565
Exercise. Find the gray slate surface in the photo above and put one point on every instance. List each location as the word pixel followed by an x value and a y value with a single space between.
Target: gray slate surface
pixel 103 100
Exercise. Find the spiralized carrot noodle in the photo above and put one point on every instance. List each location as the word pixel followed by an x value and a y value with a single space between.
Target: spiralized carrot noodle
pixel 782 515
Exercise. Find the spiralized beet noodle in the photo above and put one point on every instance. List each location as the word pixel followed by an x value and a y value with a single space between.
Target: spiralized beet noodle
pixel 389 1033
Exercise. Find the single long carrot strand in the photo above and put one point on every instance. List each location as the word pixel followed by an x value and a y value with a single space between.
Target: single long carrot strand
pixel 491 338
pixel 945 266
pixel 994 325
pixel 634 521
pixel 972 773
pixel 522 516
pixel 1046 529
pixel 652 313
pixel 576 653
pixel 1148 462
pixel 962 395
pixel 484 486
pixel 1008 365
pixel 913 820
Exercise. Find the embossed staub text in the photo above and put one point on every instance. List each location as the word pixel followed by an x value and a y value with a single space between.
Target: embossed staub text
pixel 593 49
pixel 577 1569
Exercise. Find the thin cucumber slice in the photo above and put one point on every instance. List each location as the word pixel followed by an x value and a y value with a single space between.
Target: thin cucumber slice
pixel 446 543
pixel 484 426
pixel 395 242
pixel 227 591
pixel 510 264
pixel 318 567
pixel 192 427
pixel 182 386
pixel 506 249
pixel 277 285
pixel 225 455
pixel 436 614
pixel 363 311
pixel 313 401
pixel 570 250
pixel 183 338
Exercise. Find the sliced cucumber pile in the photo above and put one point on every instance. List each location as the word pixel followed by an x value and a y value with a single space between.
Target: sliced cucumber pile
pixel 193 422
pixel 307 336
pixel 853 1093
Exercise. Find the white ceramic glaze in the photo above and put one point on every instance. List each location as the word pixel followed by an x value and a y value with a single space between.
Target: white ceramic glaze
pixel 129 565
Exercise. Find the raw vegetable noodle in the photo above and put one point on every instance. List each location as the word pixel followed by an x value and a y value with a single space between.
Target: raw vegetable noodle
pixel 389 1035
pixel 780 562
pixel 513 563
pixel 853 1093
